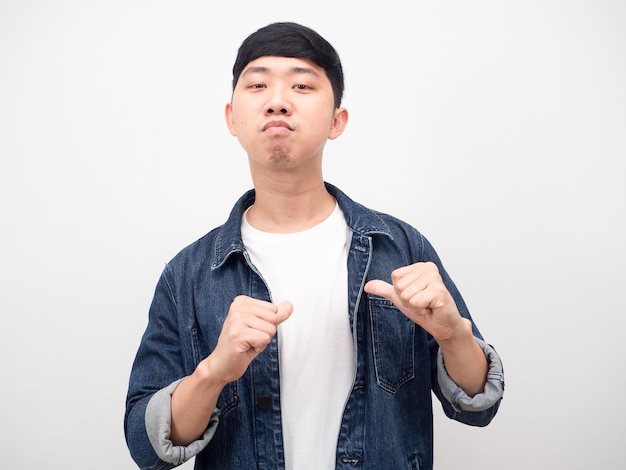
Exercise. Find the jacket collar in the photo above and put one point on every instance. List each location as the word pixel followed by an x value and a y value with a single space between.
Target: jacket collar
pixel 359 218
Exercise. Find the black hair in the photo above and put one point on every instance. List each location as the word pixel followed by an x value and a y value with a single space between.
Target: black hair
pixel 288 39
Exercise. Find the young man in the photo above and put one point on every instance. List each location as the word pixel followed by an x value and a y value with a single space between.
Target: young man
pixel 307 332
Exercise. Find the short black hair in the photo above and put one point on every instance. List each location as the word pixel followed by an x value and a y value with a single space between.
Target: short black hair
pixel 286 39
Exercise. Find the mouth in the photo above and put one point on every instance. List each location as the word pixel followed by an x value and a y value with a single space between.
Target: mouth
pixel 277 127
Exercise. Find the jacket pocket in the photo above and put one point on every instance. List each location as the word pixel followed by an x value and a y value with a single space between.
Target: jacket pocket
pixel 393 344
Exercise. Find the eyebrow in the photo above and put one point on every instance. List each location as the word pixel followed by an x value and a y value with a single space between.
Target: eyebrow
pixel 294 70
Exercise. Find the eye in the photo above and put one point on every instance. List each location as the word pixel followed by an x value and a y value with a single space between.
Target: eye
pixel 257 86
pixel 302 86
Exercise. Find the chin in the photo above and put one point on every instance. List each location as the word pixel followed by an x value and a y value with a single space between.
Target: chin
pixel 280 159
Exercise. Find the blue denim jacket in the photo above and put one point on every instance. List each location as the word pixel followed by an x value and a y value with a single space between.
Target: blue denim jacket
pixel 387 421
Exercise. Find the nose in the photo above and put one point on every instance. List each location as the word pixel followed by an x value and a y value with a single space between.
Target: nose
pixel 278 103
pixel 281 110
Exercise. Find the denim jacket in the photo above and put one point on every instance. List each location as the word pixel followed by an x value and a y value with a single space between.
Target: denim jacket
pixel 387 420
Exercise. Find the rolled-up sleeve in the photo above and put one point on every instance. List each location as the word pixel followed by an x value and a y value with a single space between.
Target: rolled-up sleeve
pixel 158 420
pixel 492 393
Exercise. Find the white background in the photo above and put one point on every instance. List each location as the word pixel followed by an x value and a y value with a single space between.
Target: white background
pixel 496 128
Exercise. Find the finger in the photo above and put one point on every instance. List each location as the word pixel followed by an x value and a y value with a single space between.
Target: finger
pixel 380 288
pixel 431 297
pixel 403 271
pixel 284 311
pixel 258 340
pixel 392 292
pixel 247 312
pixel 245 305
pixel 266 325
pixel 413 274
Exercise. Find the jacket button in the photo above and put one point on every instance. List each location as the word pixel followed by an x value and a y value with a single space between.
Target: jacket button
pixel 264 403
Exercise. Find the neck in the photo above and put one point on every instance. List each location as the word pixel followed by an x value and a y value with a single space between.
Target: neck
pixel 286 207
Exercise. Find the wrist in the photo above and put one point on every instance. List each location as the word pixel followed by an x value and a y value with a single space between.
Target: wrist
pixel 207 376
pixel 459 337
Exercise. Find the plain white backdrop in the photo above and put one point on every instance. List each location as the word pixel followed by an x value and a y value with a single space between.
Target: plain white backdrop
pixel 497 128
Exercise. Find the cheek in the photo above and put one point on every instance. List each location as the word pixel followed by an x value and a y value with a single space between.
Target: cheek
pixel 245 133
pixel 323 116
pixel 322 126
pixel 241 124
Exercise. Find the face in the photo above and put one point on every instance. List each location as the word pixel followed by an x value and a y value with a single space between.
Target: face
pixel 283 112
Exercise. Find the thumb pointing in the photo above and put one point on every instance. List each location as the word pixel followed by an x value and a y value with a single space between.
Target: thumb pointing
pixel 380 288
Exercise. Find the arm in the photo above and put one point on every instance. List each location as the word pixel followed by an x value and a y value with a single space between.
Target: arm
pixel 464 360
pixel 152 433
pixel 419 293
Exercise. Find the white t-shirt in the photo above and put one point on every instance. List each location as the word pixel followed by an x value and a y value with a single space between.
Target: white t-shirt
pixel 317 365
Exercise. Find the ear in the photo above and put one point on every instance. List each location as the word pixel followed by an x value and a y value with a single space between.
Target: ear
pixel 228 115
pixel 340 120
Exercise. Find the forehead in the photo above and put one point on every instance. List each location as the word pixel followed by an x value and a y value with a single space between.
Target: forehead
pixel 274 65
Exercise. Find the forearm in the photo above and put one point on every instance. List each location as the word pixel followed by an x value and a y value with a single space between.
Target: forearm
pixel 465 361
pixel 193 403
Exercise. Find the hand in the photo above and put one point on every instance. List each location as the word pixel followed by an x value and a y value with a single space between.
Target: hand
pixel 419 293
pixel 249 327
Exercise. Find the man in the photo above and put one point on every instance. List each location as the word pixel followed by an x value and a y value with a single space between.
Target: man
pixel 307 332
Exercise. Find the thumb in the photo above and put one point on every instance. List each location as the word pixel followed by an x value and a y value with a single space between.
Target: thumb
pixel 285 309
pixel 380 288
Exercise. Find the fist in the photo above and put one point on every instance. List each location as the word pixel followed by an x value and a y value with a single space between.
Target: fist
pixel 419 293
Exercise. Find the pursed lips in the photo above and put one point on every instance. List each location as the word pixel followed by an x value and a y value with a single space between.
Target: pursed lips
pixel 277 126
